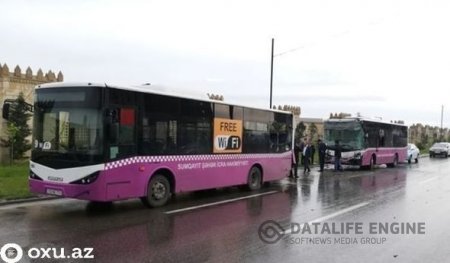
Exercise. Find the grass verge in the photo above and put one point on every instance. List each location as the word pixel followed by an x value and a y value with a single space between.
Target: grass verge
pixel 14 182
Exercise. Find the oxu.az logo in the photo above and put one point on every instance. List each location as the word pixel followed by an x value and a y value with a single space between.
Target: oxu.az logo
pixel 11 253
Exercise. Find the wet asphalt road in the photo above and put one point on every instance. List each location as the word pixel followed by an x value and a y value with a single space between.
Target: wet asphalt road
pixel 224 225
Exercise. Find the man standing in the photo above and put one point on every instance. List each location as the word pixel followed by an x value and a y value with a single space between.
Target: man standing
pixel 306 157
pixel 302 147
pixel 297 158
pixel 337 156
pixel 322 150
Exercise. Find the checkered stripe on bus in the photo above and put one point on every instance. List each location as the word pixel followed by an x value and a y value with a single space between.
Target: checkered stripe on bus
pixel 188 158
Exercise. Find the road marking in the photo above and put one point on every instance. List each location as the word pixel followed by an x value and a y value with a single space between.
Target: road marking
pixel 429 180
pixel 324 218
pixel 218 203
pixel 288 183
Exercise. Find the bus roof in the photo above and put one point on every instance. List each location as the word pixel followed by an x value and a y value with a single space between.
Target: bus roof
pixel 348 119
pixel 153 89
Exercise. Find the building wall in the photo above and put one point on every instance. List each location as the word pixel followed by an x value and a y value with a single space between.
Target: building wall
pixel 319 124
pixel 424 135
pixel 12 83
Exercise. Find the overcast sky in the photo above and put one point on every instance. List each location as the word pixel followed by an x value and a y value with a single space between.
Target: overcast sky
pixel 385 58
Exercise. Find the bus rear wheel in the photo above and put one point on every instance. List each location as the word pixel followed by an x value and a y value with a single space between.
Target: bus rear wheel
pixel 254 179
pixel 158 191
pixel 394 162
pixel 372 163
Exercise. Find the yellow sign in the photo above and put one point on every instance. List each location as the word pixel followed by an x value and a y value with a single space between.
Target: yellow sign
pixel 227 136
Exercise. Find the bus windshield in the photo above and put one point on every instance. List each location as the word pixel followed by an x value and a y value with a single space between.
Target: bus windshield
pixel 64 132
pixel 349 134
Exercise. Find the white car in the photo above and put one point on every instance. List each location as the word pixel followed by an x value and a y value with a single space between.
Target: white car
pixel 413 153
pixel 440 148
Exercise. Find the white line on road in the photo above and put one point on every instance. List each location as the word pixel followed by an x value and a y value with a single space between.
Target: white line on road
pixel 338 213
pixel 429 180
pixel 218 203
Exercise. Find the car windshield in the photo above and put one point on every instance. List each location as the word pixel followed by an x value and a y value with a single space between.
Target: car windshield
pixel 439 145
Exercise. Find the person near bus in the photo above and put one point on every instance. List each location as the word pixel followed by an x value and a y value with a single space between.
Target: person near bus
pixel 322 147
pixel 297 158
pixel 302 147
pixel 337 156
pixel 306 157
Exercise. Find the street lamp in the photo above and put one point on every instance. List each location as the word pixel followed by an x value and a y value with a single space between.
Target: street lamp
pixel 271 74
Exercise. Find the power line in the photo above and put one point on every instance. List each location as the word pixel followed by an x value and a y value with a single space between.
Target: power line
pixel 333 36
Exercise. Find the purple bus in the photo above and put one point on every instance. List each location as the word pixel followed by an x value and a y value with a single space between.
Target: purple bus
pixel 105 143
pixel 366 142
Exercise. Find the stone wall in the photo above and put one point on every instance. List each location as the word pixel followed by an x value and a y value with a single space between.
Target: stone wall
pixel 14 82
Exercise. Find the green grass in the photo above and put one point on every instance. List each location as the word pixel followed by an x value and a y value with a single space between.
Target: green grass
pixel 14 181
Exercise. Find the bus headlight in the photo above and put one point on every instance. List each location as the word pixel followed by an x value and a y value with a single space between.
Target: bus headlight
pixel 34 176
pixel 357 155
pixel 88 179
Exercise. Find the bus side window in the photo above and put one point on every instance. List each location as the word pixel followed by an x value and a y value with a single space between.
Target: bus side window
pixel 121 132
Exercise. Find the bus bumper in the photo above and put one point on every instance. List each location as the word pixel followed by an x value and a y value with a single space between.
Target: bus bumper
pixel 84 192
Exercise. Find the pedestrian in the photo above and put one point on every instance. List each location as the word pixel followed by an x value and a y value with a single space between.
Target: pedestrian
pixel 337 156
pixel 302 147
pixel 296 158
pixel 313 151
pixel 306 157
pixel 322 147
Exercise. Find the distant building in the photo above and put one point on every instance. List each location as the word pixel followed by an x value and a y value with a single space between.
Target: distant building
pixel 318 122
pixel 12 83
pixel 424 135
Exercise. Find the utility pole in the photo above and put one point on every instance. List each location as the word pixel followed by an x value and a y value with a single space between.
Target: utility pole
pixel 442 118
pixel 271 73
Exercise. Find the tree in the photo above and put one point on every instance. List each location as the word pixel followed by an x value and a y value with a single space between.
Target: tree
pixel 423 143
pixel 299 131
pixel 312 130
pixel 18 128
pixel 11 132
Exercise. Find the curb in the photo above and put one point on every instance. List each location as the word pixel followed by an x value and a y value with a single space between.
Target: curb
pixel 26 200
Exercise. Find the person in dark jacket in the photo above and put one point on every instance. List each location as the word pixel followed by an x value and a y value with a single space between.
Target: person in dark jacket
pixel 297 158
pixel 306 157
pixel 313 151
pixel 337 156
pixel 322 147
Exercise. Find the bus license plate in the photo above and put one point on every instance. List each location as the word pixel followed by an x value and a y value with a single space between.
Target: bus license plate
pixel 54 192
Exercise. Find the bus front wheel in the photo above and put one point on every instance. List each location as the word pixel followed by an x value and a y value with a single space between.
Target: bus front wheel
pixel 158 191
pixel 254 179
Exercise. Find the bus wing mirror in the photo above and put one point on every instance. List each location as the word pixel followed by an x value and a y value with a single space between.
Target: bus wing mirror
pixel 112 116
pixel 5 111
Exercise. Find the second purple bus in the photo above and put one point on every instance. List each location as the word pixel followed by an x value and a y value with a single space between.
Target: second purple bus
pixel 366 142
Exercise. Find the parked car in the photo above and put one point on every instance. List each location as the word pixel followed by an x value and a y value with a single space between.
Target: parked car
pixel 441 149
pixel 413 153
